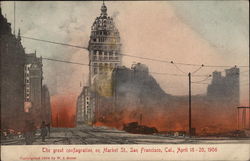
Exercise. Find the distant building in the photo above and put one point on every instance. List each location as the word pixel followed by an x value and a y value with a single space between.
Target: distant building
pixel 12 76
pixel 85 110
pixel 46 106
pixel 225 88
pixel 33 81
pixel 37 96
pixel 104 45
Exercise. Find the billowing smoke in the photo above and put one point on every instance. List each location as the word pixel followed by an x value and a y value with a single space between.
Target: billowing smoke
pixel 137 95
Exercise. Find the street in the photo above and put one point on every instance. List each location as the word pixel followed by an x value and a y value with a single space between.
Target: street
pixel 85 135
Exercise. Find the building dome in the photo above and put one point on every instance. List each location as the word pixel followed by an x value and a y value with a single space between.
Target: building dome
pixel 104 30
pixel 104 22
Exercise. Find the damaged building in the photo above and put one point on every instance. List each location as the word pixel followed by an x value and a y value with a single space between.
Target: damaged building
pixel 225 88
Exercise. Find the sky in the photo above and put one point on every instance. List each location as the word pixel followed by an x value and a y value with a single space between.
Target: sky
pixel 197 32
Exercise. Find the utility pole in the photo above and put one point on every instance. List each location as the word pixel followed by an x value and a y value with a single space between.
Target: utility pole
pixel 14 17
pixel 189 109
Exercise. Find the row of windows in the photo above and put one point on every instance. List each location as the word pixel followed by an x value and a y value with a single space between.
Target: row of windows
pixel 105 47
pixel 100 69
pixel 100 53
pixel 105 65
pixel 105 39
pixel 105 58
pixel 105 33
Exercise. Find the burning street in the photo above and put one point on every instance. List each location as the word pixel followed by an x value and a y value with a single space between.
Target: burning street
pixel 86 135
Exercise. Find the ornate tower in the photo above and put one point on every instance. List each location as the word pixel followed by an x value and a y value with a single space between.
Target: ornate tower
pixel 104 45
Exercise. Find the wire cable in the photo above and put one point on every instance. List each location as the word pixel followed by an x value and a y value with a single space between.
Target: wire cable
pixel 178 68
pixel 129 55
pixel 202 80
pixel 197 69
pixel 53 42
pixel 64 61
pixel 76 63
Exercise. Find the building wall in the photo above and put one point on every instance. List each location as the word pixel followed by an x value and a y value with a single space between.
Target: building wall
pixel 85 110
pixel 46 106
pixel 12 76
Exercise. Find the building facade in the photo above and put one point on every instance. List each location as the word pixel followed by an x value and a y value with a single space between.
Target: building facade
pixel 37 96
pixel 104 45
pixel 85 110
pixel 33 81
pixel 12 76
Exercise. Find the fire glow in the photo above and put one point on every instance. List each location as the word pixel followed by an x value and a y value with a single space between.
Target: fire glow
pixel 205 120
pixel 63 110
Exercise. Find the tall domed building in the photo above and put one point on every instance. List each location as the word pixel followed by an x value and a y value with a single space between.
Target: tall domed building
pixel 104 53
pixel 104 45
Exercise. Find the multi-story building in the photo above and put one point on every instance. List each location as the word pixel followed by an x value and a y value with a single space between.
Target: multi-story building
pixel 225 88
pixel 104 55
pixel 104 45
pixel 37 97
pixel 33 81
pixel 85 112
pixel 12 76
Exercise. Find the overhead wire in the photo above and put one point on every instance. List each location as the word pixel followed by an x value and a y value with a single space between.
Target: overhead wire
pixel 129 55
pixel 197 69
pixel 76 63
pixel 179 69
pixel 202 80
pixel 53 42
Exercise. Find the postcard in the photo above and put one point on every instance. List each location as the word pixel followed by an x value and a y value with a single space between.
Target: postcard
pixel 124 80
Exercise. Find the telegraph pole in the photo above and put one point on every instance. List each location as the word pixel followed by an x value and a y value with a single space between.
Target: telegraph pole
pixel 189 109
pixel 14 17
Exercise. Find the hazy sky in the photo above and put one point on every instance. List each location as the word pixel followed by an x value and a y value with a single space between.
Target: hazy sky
pixel 200 32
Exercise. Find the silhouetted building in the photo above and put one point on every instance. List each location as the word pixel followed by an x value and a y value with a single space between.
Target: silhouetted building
pixel 135 86
pixel 104 45
pixel 37 96
pixel 46 106
pixel 33 81
pixel 225 88
pixel 12 76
